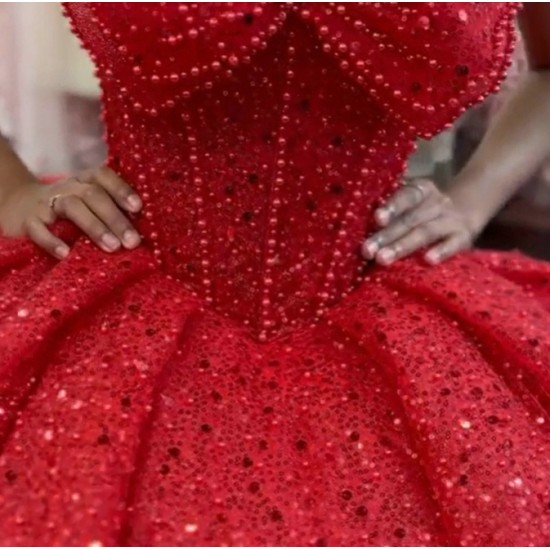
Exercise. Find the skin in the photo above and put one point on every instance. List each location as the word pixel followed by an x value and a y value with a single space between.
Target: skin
pixel 97 201
pixel 418 216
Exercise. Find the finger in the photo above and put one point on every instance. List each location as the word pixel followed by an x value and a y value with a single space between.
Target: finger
pixel 37 232
pixel 419 237
pixel 407 197
pixel 449 247
pixel 74 209
pixel 102 205
pixel 423 213
pixel 121 192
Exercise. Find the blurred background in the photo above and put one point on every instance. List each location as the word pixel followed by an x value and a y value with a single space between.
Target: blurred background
pixel 49 109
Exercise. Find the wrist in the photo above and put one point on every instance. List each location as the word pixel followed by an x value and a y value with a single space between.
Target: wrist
pixel 18 189
pixel 477 210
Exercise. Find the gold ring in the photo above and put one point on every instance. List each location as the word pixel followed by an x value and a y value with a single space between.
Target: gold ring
pixel 390 209
pixel 52 200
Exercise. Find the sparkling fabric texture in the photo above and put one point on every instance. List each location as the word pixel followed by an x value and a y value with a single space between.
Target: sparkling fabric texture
pixel 244 377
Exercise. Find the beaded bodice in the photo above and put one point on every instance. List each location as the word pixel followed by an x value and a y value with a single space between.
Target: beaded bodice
pixel 262 135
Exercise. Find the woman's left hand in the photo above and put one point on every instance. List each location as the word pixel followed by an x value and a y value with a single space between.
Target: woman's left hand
pixel 417 216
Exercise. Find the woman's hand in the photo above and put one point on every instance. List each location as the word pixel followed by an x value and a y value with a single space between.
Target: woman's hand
pixel 95 202
pixel 417 216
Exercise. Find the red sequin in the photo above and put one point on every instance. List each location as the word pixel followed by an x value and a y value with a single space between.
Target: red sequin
pixel 244 377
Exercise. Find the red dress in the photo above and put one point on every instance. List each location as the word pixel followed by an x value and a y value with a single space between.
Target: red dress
pixel 244 377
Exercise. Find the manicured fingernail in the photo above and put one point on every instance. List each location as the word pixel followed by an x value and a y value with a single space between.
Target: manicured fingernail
pixel 130 238
pixel 110 241
pixel 369 249
pixel 386 256
pixel 134 202
pixel 62 251
pixel 382 216
pixel 432 257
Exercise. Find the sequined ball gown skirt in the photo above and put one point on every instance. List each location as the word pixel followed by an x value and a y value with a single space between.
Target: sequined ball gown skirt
pixel 243 377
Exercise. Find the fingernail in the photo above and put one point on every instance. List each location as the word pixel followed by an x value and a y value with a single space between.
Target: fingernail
pixel 432 257
pixel 369 249
pixel 130 238
pixel 61 251
pixel 386 256
pixel 382 216
pixel 134 202
pixel 110 241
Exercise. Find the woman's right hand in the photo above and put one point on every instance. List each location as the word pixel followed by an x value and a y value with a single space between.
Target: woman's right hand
pixel 95 202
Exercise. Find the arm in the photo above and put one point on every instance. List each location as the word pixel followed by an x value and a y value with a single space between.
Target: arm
pixel 519 139
pixel 513 148
pixel 13 173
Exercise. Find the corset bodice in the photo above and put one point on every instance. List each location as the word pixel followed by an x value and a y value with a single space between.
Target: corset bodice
pixel 262 136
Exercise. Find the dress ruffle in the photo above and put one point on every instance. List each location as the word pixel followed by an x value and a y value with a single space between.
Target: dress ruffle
pixel 429 383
